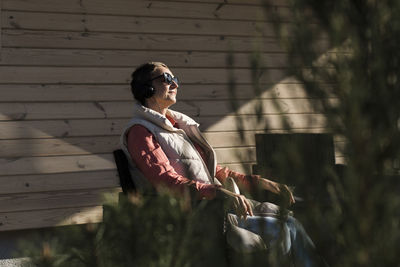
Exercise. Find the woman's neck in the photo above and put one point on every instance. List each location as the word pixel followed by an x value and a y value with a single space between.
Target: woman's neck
pixel 156 107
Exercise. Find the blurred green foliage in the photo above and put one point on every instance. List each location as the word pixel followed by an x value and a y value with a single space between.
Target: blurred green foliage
pixel 346 54
pixel 143 231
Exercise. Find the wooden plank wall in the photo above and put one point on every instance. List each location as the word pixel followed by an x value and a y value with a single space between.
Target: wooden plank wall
pixel 0 29
pixel 64 94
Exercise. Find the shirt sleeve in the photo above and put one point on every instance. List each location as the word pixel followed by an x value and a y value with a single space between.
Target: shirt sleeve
pixel 151 160
pixel 246 182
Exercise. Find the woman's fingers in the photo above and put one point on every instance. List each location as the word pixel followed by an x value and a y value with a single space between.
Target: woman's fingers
pixel 240 203
pixel 276 188
pixel 238 207
pixel 249 208
pixel 244 207
pixel 287 193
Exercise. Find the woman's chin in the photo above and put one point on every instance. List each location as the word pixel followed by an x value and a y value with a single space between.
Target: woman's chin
pixel 173 99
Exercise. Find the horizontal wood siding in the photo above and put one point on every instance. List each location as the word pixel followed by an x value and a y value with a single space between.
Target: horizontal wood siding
pixel 1 26
pixel 64 92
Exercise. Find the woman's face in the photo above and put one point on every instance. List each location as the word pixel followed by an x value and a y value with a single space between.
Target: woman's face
pixel 165 94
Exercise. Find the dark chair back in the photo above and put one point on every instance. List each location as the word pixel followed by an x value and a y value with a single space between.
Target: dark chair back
pixel 125 177
pixel 305 160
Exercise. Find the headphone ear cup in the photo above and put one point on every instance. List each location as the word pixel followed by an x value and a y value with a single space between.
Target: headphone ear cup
pixel 149 91
pixel 143 90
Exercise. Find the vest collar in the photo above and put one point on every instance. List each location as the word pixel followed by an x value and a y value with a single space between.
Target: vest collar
pixel 140 111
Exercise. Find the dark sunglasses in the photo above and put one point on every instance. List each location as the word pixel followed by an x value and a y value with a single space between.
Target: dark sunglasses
pixel 167 78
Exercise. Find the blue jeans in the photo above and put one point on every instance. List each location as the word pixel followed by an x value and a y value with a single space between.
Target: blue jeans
pixel 287 235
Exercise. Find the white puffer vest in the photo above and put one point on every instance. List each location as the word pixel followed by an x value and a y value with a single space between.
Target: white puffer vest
pixel 177 144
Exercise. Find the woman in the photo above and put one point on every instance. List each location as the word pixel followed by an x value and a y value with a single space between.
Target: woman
pixel 166 148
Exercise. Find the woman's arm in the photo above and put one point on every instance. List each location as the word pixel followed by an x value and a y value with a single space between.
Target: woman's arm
pixel 154 164
pixel 246 182
pixel 249 182
pixel 151 160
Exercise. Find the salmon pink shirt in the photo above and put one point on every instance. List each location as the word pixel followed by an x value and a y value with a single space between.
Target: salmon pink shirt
pixel 151 160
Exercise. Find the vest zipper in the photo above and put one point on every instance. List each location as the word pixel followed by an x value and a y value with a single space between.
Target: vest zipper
pixel 211 179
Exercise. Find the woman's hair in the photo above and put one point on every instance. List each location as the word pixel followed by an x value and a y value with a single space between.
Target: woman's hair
pixel 140 85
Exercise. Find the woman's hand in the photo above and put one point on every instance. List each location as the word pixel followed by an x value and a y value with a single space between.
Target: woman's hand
pixel 277 188
pixel 240 203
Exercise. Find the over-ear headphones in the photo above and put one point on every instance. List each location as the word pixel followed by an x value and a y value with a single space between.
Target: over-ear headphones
pixel 142 91
pixel 147 90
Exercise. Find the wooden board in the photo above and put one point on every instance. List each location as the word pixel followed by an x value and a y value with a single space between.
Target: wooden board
pixel 91 180
pixel 271 122
pixel 120 92
pixel 145 8
pixel 12 184
pixel 54 200
pixel 50 217
pixel 15 148
pixel 1 27
pixel 98 110
pixel 142 41
pixel 92 162
pixel 60 128
pixel 241 2
pixel 124 58
pixel 247 138
pixel 58 146
pixel 254 107
pixel 56 164
pixel 99 162
pixel 91 75
pixel 101 127
pixel 63 128
pixel 63 93
pixel 133 24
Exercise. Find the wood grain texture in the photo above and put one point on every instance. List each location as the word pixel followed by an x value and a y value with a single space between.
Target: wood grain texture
pixel 58 182
pixel 58 146
pixel 133 24
pixel 17 148
pixel 102 162
pixel 142 41
pixel 240 2
pixel 107 75
pixel 53 200
pixel 100 127
pixel 271 122
pixel 121 92
pixel 146 8
pixel 127 58
pixel 99 110
pixel 1 27
pixel 94 162
pixel 50 217
pixel 56 164
pixel 60 128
